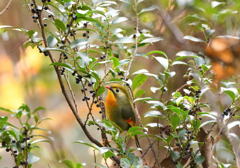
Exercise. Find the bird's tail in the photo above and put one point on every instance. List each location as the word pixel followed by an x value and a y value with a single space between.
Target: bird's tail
pixel 137 142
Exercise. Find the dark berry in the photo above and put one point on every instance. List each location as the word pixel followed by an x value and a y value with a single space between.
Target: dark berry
pixel 85 89
pixel 85 24
pixel 4 143
pixel 120 73
pixel 68 25
pixel 7 149
pixel 62 41
pixel 84 34
pixel 88 98
pixel 46 8
pixel 43 0
pixel 228 109
pixel 74 72
pixel 74 17
pixel 32 4
pixel 103 56
pixel 71 34
pixel 49 0
pixel 49 15
pixel 95 101
pixel 82 90
pixel 134 36
pixel 45 24
pixel 87 31
pixel 98 105
pixel 98 128
pixel 94 94
pixel 189 132
pixel 122 78
pixel 65 57
pixel 22 163
pixel 15 151
pixel 29 144
pixel 200 118
pixel 91 91
pixel 177 144
pixel 45 53
pixel 33 10
pixel 88 37
pixel 13 141
pixel 127 84
pixel 83 99
pixel 22 147
pixel 100 112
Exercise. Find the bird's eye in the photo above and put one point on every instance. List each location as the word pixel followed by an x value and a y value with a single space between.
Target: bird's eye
pixel 117 90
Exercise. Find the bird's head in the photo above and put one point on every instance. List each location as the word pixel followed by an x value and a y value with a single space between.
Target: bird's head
pixel 117 92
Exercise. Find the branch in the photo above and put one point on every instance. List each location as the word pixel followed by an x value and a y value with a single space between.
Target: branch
pixel 6 7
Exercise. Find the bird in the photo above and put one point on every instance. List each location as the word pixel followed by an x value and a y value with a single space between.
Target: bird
pixel 119 108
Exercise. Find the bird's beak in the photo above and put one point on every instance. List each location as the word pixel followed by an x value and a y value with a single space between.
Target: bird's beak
pixel 108 87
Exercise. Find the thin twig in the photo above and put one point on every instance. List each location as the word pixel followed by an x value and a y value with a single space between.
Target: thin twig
pixel 6 7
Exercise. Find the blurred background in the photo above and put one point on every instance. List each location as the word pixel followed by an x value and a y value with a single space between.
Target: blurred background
pixel 26 77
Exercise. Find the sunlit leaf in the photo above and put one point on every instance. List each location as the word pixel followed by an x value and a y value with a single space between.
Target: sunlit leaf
pixel 138 81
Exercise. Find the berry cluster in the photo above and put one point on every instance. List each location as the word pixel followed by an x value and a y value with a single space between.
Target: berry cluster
pixel 18 147
pixel 87 31
pixel 197 93
pixel 63 70
pixel 226 112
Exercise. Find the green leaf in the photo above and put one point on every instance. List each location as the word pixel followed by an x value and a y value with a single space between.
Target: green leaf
pixel 119 20
pixel 153 7
pixel 144 98
pixel 52 41
pixel 157 52
pixel 101 166
pixel 87 144
pixel 116 62
pixel 60 25
pixel 35 118
pixel 32 159
pixel 6 110
pixel 132 129
pixel 139 93
pixel 78 43
pixel 38 109
pixel 152 40
pixel 67 163
pixel 199 159
pixel 162 61
pixel 78 165
pixel 108 154
pixel 231 92
pixel 100 90
pixel 174 154
pixel 194 39
pixel 179 165
pixel 124 40
pixel 61 64
pixel 138 81
pixel 86 60
pixel 175 120
pixel 152 114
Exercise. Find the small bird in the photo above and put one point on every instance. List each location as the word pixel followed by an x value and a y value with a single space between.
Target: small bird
pixel 119 109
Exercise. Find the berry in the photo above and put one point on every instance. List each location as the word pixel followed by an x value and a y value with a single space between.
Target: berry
pixel 100 112
pixel 200 118
pixel 49 15
pixel 33 10
pixel 62 41
pixel 98 105
pixel 85 24
pixel 45 53
pixel 88 31
pixel 43 0
pixel 13 141
pixel 120 73
pixel 45 24
pixel 4 143
pixel 46 8
pixel 91 91
pixel 22 147
pixel 71 34
pixel 95 102
pixel 84 34
pixel 74 72
pixel 82 90
pixel 65 57
pixel 88 37
pixel 83 99
pixel 103 56
pixel 15 151
pixel 32 4
pixel 74 17
pixel 68 25
pixel 98 128
pixel 7 149
pixel 134 36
